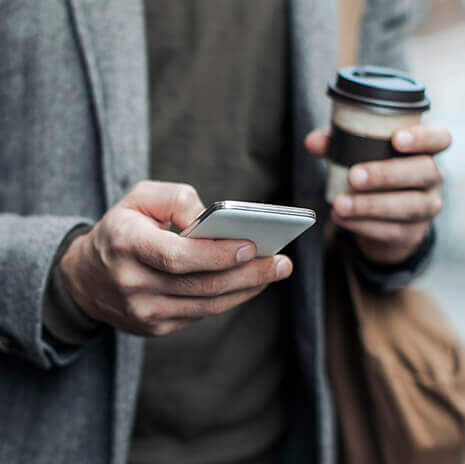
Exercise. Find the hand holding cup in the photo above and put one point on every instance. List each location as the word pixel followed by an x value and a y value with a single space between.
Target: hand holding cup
pixel 391 196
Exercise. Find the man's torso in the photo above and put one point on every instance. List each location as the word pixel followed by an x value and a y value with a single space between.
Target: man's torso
pixel 211 393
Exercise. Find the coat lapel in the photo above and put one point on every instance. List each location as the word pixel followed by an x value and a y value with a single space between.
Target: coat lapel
pixel 313 41
pixel 313 38
pixel 111 37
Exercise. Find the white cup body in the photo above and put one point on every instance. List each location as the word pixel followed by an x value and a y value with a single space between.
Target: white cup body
pixel 368 125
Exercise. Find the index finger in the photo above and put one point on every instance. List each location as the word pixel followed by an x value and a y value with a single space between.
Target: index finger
pixel 165 201
pixel 170 253
pixel 423 138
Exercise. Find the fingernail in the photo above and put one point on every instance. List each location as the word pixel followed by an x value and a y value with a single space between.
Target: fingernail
pixel 245 254
pixel 404 140
pixel 343 204
pixel 283 269
pixel 359 177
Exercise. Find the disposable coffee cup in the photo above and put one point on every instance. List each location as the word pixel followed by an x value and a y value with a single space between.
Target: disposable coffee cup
pixel 370 103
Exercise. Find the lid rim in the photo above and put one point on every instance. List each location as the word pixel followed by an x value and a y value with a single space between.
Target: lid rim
pixel 421 105
pixel 381 87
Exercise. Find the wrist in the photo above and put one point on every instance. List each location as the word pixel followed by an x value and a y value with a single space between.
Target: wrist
pixel 72 266
pixel 417 259
pixel 390 276
pixel 387 254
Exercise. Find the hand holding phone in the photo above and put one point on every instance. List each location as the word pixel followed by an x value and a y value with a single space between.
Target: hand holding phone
pixel 270 227
pixel 152 281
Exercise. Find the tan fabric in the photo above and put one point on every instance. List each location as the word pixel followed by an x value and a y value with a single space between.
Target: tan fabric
pixel 350 18
pixel 397 370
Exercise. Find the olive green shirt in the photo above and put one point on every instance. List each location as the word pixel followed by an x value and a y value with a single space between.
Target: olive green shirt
pixel 211 393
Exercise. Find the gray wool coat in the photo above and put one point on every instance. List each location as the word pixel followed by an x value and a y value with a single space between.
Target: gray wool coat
pixel 73 139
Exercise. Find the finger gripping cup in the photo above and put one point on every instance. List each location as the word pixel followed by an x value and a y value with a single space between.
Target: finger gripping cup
pixel 370 103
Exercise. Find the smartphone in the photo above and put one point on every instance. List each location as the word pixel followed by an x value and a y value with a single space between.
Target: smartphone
pixel 270 227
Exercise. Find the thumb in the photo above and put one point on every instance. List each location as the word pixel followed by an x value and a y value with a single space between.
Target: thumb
pixel 317 142
pixel 165 202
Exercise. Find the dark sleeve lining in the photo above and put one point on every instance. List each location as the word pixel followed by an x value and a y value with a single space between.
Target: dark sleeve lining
pixel 392 277
pixel 64 323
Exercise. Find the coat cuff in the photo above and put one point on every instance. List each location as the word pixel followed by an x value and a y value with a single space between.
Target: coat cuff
pixel 64 323
pixel 393 277
pixel 28 247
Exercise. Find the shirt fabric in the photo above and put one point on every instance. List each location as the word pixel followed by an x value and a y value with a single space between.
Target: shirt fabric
pixel 211 393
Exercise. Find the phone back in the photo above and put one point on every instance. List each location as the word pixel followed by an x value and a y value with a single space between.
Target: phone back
pixel 271 232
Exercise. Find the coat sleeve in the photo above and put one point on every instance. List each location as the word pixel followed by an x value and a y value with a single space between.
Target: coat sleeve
pixel 64 321
pixel 394 277
pixel 385 26
pixel 28 246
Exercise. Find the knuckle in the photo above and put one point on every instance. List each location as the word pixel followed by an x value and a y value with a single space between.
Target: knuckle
pixel 144 247
pixel 182 284
pixel 357 205
pixel 212 286
pixel 170 261
pixel 140 313
pixel 432 175
pixel 145 313
pixel 257 273
pixel 440 134
pixel 197 308
pixel 263 273
pixel 119 244
pixel 222 255
pixel 126 280
pixel 366 205
pixel 436 204
pixel 119 239
pixel 154 313
pixel 379 175
pixel 141 187
pixel 186 194
pixel 163 328
pixel 214 306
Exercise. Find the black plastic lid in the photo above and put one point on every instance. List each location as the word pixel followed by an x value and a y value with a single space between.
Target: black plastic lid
pixel 380 87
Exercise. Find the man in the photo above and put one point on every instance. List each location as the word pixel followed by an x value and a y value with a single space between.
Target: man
pixel 88 262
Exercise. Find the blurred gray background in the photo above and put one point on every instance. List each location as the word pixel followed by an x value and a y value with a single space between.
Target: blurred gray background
pixel 437 57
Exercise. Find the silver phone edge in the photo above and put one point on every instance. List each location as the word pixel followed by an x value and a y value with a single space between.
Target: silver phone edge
pixel 249 206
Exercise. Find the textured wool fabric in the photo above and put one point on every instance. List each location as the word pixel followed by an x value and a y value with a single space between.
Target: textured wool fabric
pixel 73 139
